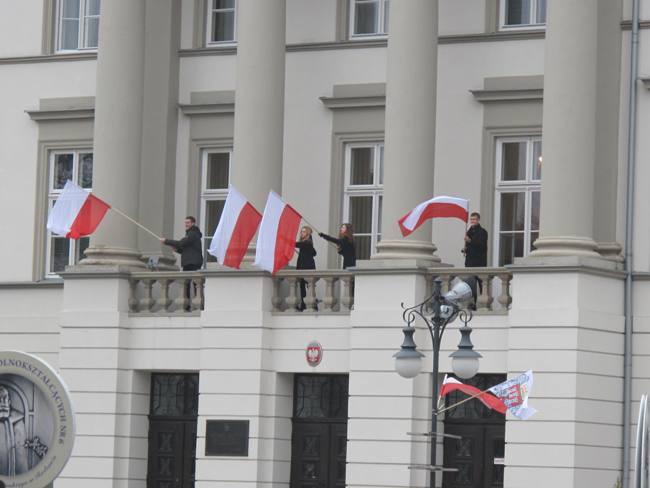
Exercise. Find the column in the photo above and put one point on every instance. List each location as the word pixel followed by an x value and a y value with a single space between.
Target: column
pixel 569 130
pixel 410 125
pixel 259 99
pixel 118 129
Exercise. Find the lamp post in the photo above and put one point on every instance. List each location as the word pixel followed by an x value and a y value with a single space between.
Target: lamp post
pixel 443 309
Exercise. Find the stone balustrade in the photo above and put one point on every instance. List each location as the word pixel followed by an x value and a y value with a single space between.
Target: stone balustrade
pixel 327 291
pixel 493 282
pixel 163 292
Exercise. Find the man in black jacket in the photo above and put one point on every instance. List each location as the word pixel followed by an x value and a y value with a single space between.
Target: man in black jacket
pixel 475 250
pixel 189 247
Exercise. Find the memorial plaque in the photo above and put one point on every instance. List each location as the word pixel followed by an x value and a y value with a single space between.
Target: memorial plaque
pixel 226 438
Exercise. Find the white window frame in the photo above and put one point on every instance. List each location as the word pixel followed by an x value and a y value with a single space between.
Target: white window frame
pixel 208 25
pixel 534 25
pixel 383 27
pixel 527 186
pixel 82 28
pixel 211 194
pixel 375 190
pixel 52 195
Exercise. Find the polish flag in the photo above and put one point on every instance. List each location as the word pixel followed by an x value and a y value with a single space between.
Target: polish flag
pixel 437 207
pixel 276 240
pixel 489 400
pixel 237 226
pixel 76 212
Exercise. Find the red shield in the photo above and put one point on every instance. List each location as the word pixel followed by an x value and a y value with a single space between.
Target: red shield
pixel 314 353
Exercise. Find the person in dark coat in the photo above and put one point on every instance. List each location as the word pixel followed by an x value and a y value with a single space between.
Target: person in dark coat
pixel 475 250
pixel 190 249
pixel 345 245
pixel 306 254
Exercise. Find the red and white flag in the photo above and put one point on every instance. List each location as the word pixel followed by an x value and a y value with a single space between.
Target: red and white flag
pixel 276 239
pixel 76 212
pixel 237 226
pixel 437 207
pixel 488 399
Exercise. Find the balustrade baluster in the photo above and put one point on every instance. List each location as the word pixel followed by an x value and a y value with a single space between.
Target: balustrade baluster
pixel 347 292
pixel 293 298
pixel 133 296
pixel 505 299
pixel 310 299
pixel 146 303
pixel 329 300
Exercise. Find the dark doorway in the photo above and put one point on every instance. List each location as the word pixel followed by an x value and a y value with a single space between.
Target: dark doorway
pixel 479 455
pixel 320 426
pixel 172 430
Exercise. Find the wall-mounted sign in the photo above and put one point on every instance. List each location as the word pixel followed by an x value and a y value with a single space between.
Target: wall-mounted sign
pixel 37 426
pixel 314 353
pixel 226 437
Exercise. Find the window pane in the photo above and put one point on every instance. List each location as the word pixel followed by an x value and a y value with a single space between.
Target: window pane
pixel 213 209
pixel 361 214
pixel 512 211
pixel 223 26
pixel 59 254
pixel 511 246
pixel 62 170
pixel 381 165
pixel 70 9
pixel 70 34
pixel 218 166
pixel 533 237
pixel 82 245
pixel 379 204
pixel 536 174
pixel 513 163
pixel 362 246
pixel 219 4
pixel 86 170
pixel 207 257
pixel 361 166
pixel 366 17
pixel 92 7
pixel 541 12
pixel 534 210
pixel 92 32
pixel 517 12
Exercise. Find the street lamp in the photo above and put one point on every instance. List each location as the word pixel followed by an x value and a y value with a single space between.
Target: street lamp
pixel 438 311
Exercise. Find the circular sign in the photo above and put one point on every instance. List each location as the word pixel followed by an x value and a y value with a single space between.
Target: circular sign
pixel 314 353
pixel 36 422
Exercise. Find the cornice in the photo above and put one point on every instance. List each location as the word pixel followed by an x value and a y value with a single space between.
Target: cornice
pixel 64 114
pixel 505 95
pixel 207 108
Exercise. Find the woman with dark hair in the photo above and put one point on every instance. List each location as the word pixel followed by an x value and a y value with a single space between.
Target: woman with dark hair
pixel 306 254
pixel 345 244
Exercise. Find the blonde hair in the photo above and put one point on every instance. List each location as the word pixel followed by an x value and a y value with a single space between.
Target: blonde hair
pixel 309 232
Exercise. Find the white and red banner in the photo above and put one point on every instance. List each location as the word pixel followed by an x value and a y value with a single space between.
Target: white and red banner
pixel 488 399
pixel 76 212
pixel 276 239
pixel 437 207
pixel 514 395
pixel 236 228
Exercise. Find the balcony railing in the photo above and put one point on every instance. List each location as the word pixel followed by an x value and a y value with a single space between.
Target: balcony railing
pixel 493 282
pixel 326 291
pixel 166 292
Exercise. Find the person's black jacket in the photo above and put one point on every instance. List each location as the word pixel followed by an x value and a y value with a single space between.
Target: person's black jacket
pixel 189 247
pixel 476 248
pixel 346 249
pixel 306 254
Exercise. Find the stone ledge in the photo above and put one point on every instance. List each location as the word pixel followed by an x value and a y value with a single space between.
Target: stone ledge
pixel 568 264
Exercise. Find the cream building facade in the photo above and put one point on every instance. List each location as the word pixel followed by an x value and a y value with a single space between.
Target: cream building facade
pixel 353 110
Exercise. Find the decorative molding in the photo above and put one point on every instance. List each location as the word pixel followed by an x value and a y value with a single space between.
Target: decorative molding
pixel 66 114
pixel 207 108
pixel 487 96
pixel 208 51
pixel 646 83
pixel 19 285
pixel 335 103
pixel 627 25
pixel 49 58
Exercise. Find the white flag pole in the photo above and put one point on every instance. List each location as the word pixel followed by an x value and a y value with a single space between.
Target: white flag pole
pixel 119 212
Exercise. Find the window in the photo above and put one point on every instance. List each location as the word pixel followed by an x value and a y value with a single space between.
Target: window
pixel 522 14
pixel 221 21
pixel 368 18
pixel 77 25
pixel 518 194
pixel 215 175
pixel 77 166
pixel 364 167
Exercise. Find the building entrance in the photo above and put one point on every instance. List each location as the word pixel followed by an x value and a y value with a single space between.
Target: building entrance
pixel 319 440
pixel 479 455
pixel 172 430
